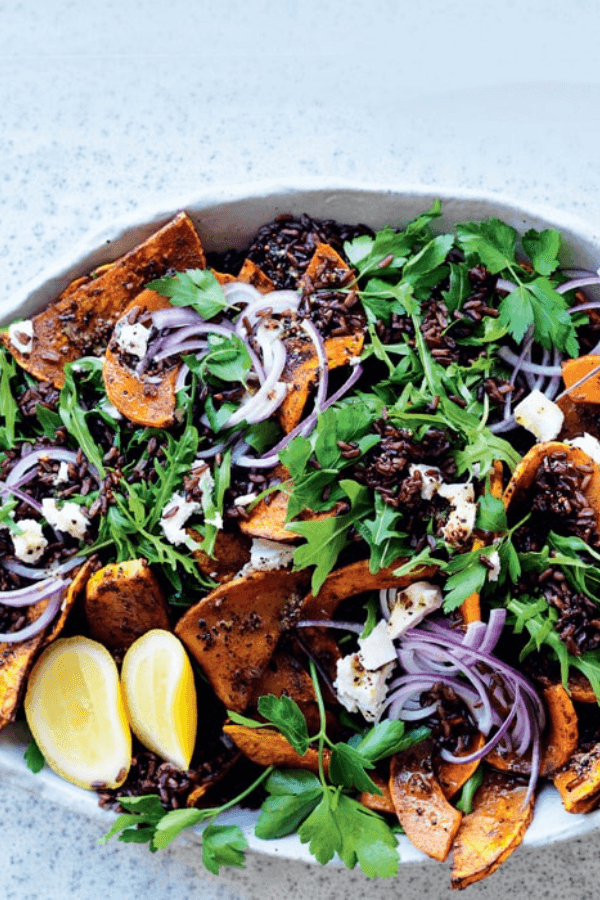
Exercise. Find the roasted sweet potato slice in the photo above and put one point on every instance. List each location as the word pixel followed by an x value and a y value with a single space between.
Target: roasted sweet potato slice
pixel 381 803
pixel 252 274
pixel 266 747
pixel 139 398
pixel 267 519
pixel 559 743
pixel 80 322
pixel 578 783
pixel 356 579
pixel 582 386
pixel 301 371
pixel 233 631
pixel 327 266
pixel 453 776
pixel 232 552
pixel 122 602
pixel 524 475
pixel 428 819
pixel 16 660
pixel 578 418
pixel 492 830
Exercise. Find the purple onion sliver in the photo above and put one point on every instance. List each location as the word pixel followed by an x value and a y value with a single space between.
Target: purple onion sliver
pixel 33 593
pixel 574 284
pixel 13 637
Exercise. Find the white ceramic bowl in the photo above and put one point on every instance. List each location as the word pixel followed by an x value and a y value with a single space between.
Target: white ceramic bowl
pixel 229 217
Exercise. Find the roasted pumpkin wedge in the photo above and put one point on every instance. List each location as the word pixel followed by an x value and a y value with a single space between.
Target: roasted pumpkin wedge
pixel 559 742
pixel 428 819
pixel 524 475
pixel 231 553
pixel 471 607
pixel 578 783
pixel 269 748
pixel 302 369
pixel 233 632
pixel 122 602
pixel 145 400
pixel 582 379
pixel 492 830
pixel 80 322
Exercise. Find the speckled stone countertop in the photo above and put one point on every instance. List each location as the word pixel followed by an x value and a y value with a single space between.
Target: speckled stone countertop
pixel 113 106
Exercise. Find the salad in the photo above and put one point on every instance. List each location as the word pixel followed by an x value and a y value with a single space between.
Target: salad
pixel 314 528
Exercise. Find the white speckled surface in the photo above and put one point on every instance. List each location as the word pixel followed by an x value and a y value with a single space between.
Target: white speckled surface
pixel 109 107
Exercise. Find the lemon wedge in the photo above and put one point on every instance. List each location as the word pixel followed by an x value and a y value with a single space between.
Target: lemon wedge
pixel 74 708
pixel 160 696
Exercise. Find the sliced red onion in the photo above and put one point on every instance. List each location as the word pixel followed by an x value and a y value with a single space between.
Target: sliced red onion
pixel 238 292
pixel 33 593
pixel 576 283
pixel 304 428
pixel 269 396
pixel 356 627
pixel 504 285
pixel 41 454
pixel 24 571
pixel 175 317
pixel 6 488
pixel 13 637
pixel 526 365
pixel 276 301
pixel 184 371
pixel 317 340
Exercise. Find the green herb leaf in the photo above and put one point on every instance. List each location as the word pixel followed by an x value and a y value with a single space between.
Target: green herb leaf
pixel 197 288
pixel 223 845
pixel 293 795
pixel 286 715
pixel 34 757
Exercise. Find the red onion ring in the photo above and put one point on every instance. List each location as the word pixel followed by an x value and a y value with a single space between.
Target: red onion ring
pixel 13 637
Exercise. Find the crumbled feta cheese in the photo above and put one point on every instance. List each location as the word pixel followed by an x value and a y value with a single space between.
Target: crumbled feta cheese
pixel 266 555
pixel 62 475
pixel 589 444
pixel 539 415
pixel 174 516
pixel 20 334
pixel 133 338
pixel 463 511
pixel 494 566
pixel 360 689
pixel 377 649
pixel 411 605
pixel 29 546
pixel 431 478
pixel 69 517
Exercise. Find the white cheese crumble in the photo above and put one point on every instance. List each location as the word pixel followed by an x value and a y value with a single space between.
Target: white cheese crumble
pixel 69 517
pixel 174 515
pixel 360 689
pixel 589 444
pixel 463 510
pixel 412 605
pixel 29 546
pixel 431 479
pixel 20 334
pixel 267 555
pixel 539 415
pixel 110 410
pixel 377 649
pixel 494 564
pixel 133 338
pixel 62 475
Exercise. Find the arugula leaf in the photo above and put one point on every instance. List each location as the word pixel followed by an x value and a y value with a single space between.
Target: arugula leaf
pixel 72 414
pixel 197 288
pixel 9 410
